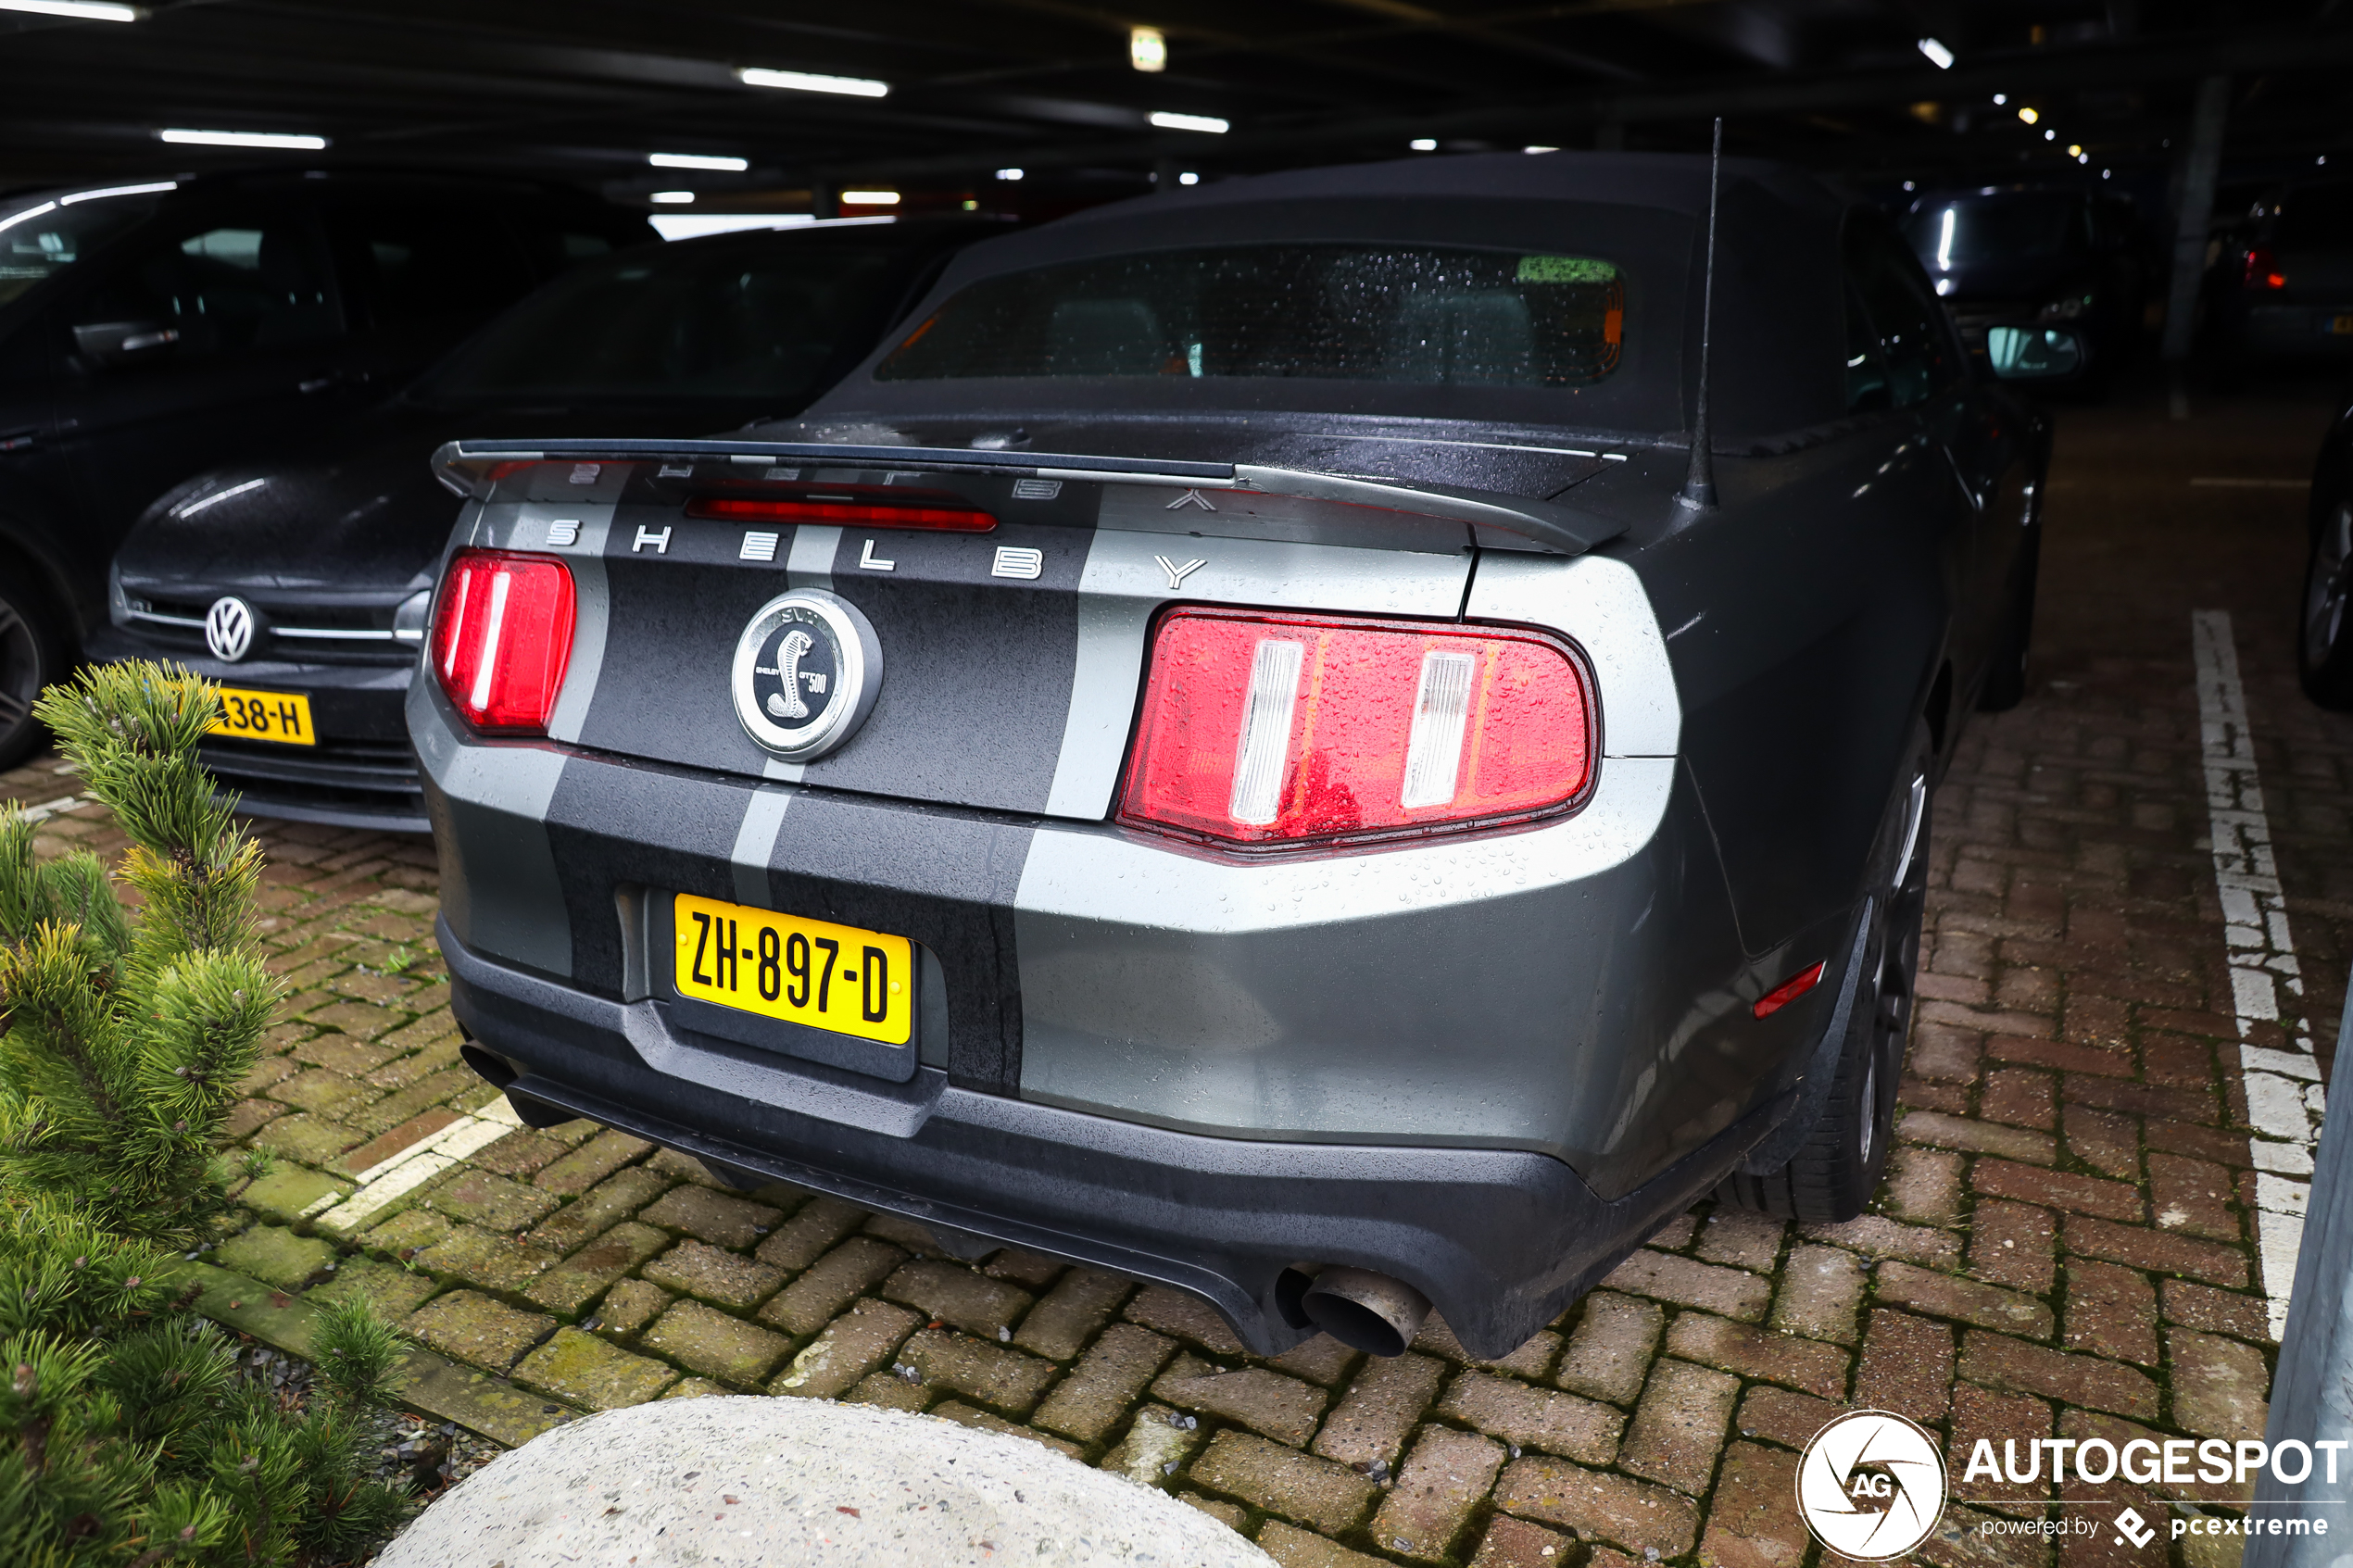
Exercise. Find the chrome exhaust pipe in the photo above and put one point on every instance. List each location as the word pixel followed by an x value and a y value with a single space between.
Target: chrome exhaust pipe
pixel 1365 1310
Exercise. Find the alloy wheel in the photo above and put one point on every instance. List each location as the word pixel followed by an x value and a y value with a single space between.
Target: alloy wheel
pixel 20 671
pixel 2326 589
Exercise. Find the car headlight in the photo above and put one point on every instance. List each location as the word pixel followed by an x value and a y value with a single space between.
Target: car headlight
pixel 2067 309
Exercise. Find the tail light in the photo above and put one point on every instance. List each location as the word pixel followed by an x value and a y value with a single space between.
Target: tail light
pixel 744 508
pixel 2263 271
pixel 1268 729
pixel 502 637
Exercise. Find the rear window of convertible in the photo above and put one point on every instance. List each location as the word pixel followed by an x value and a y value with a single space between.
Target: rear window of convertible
pixel 1415 315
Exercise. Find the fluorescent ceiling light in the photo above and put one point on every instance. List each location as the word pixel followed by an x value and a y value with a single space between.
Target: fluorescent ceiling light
pixel 147 190
pixel 871 198
pixel 77 10
pixel 697 161
pixel 1540 149
pixel 802 81
pixel 244 139
pixel 2074 151
pixel 1147 48
pixel 1424 144
pixel 1938 55
pixel 1009 174
pixel 2000 99
pixel 1208 122
pixel 1189 178
pixel 674 198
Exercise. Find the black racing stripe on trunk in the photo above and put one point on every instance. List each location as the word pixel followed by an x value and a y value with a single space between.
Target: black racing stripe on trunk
pixel 976 668
pixel 670 642
pixel 610 824
pixel 945 878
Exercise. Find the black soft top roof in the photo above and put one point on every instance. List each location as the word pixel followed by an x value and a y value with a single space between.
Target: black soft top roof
pixel 1779 324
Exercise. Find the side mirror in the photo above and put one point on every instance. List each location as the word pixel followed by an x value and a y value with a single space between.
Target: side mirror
pixel 2034 353
pixel 125 343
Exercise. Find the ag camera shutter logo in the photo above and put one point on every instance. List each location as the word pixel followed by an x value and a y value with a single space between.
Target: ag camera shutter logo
pixel 1871 1486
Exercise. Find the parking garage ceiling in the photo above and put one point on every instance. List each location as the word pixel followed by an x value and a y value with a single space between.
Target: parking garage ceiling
pixel 957 90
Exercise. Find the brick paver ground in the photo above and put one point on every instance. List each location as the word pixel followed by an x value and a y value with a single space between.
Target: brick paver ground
pixel 2064 1245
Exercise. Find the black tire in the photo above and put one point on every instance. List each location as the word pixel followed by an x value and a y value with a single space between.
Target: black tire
pixel 2004 686
pixel 32 656
pixel 2324 629
pixel 1834 1172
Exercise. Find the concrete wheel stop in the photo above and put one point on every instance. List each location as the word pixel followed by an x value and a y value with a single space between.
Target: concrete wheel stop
pixel 734 1482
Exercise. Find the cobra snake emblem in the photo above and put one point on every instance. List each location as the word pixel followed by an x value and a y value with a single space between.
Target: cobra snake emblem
pixel 786 704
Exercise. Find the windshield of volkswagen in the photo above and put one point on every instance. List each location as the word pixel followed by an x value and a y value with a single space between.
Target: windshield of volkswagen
pixel 43 235
pixel 1412 315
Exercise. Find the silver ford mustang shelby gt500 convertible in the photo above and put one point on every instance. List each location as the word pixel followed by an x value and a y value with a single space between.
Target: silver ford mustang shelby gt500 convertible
pixel 1246 748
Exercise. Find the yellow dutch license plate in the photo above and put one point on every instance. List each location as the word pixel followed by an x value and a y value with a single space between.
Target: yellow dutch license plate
pixel 283 717
pixel 809 971
pixel 2342 326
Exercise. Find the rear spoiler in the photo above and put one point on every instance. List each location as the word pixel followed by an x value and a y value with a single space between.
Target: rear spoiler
pixel 471 468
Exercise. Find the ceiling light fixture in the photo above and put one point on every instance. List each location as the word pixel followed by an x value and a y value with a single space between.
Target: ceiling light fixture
pixel 2000 98
pixel 1009 174
pixel 75 11
pixel 244 139
pixel 2074 150
pixel 1939 55
pixel 2050 135
pixel 870 198
pixel 1208 122
pixel 1540 149
pixel 698 160
pixel 1189 178
pixel 1147 48
pixel 2028 115
pixel 1424 144
pixel 802 81
pixel 674 198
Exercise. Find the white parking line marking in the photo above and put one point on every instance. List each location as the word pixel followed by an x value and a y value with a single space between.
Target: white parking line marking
pixel 414 1166
pixel 48 809
pixel 2284 1104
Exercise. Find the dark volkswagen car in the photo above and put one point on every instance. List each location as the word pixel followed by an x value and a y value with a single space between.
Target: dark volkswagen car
pixel 2027 257
pixel 300 583
pixel 1242 749
pixel 153 328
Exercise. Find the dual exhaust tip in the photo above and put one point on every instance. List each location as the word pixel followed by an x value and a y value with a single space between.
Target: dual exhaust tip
pixel 1363 1310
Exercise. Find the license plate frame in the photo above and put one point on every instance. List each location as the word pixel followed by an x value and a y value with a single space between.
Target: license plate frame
pixel 768 1026
pixel 277 718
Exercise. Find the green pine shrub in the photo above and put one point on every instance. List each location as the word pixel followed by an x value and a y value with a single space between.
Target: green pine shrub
pixel 126 1436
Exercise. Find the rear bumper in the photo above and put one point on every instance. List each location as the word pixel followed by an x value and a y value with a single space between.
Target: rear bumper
pixel 1500 1240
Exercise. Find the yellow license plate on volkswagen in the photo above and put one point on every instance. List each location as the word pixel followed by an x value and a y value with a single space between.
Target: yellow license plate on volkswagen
pixel 283 717
pixel 810 971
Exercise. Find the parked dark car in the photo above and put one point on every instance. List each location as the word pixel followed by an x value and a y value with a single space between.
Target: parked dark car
pixel 1241 749
pixel 2029 257
pixel 2283 287
pixel 154 328
pixel 301 584
pixel 2324 631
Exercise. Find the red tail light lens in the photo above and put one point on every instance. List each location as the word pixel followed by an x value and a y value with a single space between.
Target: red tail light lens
pixel 1265 729
pixel 740 509
pixel 2263 271
pixel 502 637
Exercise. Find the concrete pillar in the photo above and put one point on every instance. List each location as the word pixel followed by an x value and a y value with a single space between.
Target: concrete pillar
pixel 2199 174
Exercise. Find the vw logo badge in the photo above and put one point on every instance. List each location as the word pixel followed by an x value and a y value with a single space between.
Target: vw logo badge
pixel 807 671
pixel 228 629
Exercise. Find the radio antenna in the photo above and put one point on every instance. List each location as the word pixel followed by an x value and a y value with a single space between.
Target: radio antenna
pixel 1699 484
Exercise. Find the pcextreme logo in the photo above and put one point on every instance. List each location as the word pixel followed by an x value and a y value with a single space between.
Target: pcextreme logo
pixel 1871 1486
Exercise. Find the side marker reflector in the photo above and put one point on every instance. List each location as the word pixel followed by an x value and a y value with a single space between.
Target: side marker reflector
pixel 1788 991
